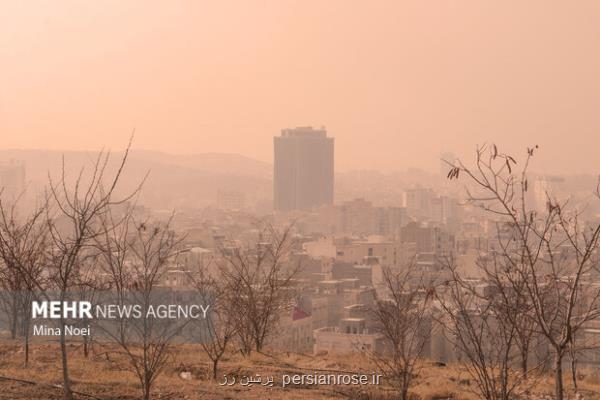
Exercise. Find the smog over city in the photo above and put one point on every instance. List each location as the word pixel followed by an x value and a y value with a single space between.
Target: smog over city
pixel 303 200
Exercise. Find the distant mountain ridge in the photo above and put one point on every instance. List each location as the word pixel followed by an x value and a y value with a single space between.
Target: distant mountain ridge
pixel 223 163
pixel 174 180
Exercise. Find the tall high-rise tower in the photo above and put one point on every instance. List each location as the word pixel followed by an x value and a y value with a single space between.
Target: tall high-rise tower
pixel 303 176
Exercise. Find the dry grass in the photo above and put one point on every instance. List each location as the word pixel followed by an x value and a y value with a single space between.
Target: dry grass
pixel 107 377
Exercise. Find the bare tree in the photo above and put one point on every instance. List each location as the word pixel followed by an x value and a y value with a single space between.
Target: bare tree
pixel 402 317
pixel 259 280
pixel 476 321
pixel 219 329
pixel 23 251
pixel 71 217
pixel 136 258
pixel 550 251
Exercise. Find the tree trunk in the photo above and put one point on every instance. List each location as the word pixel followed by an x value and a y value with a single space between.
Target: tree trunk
pixel 26 349
pixel 258 343
pixel 574 372
pixel 215 363
pixel 504 380
pixel 25 328
pixel 68 395
pixel 524 362
pixel 86 350
pixel 558 377
pixel 405 384
pixel 146 389
pixel 245 346
pixel 14 319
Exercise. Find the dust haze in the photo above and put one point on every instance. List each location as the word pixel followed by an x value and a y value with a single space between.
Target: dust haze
pixel 369 200
pixel 396 82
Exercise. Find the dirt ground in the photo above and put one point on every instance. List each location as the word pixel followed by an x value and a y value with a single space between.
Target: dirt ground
pixel 106 375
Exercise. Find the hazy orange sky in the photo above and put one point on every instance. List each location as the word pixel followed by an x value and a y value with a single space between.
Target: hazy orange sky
pixel 395 82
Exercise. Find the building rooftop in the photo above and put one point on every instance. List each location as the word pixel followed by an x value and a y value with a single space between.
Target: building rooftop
pixel 353 319
pixel 304 131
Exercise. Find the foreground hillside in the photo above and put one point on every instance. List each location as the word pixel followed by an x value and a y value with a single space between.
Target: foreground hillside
pixel 105 376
